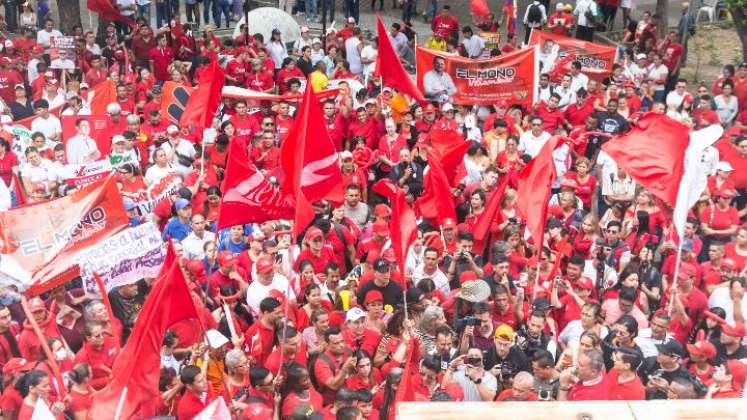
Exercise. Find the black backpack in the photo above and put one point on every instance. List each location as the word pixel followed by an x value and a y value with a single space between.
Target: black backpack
pixel 535 14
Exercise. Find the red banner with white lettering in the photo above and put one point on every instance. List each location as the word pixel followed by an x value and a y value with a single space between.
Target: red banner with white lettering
pixel 485 81
pixel 557 52
pixel 40 241
pixel 99 133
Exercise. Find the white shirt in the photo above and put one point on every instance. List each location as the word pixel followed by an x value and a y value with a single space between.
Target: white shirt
pixel 434 84
pixel 571 334
pixel 31 70
pixel 647 344
pixel 78 149
pixel 300 43
pixel 125 3
pixel 369 53
pixel 184 148
pixel 438 277
pixel 567 96
pixel 155 173
pixel 41 173
pixel 579 81
pixel 674 99
pixel 353 55
pixel 194 246
pixel 277 53
pixel 532 145
pixel 43 37
pixel 399 42
pixel 721 297
pixel 48 126
pixel 257 291
pixel 656 73
pixel 474 46
pixel 580 11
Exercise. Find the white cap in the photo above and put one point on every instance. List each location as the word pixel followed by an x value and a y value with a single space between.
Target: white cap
pixel 354 314
pixel 724 166
pixel 172 129
pixel 346 154
pixel 215 339
pixel 386 88
pixel 640 56
pixel 117 138
pixel 5 119
pixel 304 29
pixel 84 85
pixel 113 108
pixel 559 6
pixel 351 19
pixel 447 107
pixel 316 41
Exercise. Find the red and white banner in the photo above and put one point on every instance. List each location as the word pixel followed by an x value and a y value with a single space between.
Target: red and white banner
pixel 146 200
pixel 87 173
pixel 40 242
pixel 510 77
pixel 557 52
pixel 99 132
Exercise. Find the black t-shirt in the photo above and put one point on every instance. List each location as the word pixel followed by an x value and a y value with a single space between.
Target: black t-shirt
pixel 741 353
pixel 20 111
pixel 612 123
pixel 126 309
pixel 461 265
pixel 392 292
pixel 652 367
pixel 515 362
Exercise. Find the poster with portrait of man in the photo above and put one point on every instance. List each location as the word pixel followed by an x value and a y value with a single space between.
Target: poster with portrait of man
pixel 62 52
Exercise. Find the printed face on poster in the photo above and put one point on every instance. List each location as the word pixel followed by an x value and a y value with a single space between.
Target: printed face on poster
pixel 62 53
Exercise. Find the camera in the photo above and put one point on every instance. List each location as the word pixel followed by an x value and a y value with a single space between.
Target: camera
pixel 544 395
pixel 468 321
pixel 513 220
pixel 473 361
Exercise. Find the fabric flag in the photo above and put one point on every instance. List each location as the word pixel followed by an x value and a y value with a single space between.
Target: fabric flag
pixel 253 95
pixel 406 389
pixel 404 225
pixel 18 190
pixel 450 147
pixel 216 410
pixel 437 201
pixel 490 213
pixel 389 66
pixel 479 8
pixel 107 11
pixel 248 196
pixel 510 10
pixel 310 163
pixel 103 94
pixel 204 101
pixel 136 371
pixel 535 183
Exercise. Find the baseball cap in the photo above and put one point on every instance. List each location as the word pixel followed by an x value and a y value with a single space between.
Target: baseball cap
pixel 17 364
pixel 504 332
pixel 196 268
pixel 724 166
pixel 448 223
pixel 735 331
pixel 36 304
pixel 84 85
pixel 585 283
pixel 728 263
pixel 304 29
pixel 264 264
pixel 346 154
pixel 671 347
pixel 726 192
pixel 373 296
pixel 118 138
pixel 354 314
pixel 702 348
pixel 640 56
pixel 225 258
pixel 181 203
pixel 388 255
pixel 313 233
pixel 738 371
pixel 113 108
pixel 467 275
pixel 19 86
pixel 447 107
pixel 172 129
pixel 351 19
pixel 540 304
pixel 382 210
pixel 381 228
pixel 156 89
pixel 316 41
pixel 429 109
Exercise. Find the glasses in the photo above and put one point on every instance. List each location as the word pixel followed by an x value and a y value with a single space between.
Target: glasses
pixel 268 123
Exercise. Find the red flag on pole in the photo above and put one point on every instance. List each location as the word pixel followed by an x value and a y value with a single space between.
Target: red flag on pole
pixel 653 154
pixel 437 201
pixel 479 8
pixel 133 392
pixel 406 389
pixel 248 196
pixel 450 147
pixel 103 94
pixel 389 66
pixel 310 163
pixel 107 11
pixel 204 101
pixel 490 214
pixel 404 226
pixel 535 183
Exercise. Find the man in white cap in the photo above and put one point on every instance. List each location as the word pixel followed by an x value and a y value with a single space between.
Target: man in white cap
pixel 180 152
pixel 81 148
pixel 303 41
pixel 116 124
pixel 120 155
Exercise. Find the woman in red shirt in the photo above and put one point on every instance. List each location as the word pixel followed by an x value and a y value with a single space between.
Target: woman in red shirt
pixel 720 221
pixel 298 390
pixel 34 386
pixel 737 250
pixel 366 376
pixel 130 180
pixel 508 158
pixel 586 183
pixel 586 236
pixel 314 301
pixel 81 393
pixel 237 367
pixel 8 164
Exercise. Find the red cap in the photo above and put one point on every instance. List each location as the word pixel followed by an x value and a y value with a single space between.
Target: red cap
pixel 313 233
pixel 555 211
pixel 381 228
pixel 225 259
pixel 388 255
pixel 585 283
pixel 728 264
pixel 373 296
pixel 17 364
pixel 277 294
pixel 264 264
pixel 38 48
pixel 448 223
pixel 36 304
pixel 196 268
pixel 736 331
pixel 430 108
pixel 466 276
pixel 738 371
pixel 382 210
pixel 688 98
pixel 702 348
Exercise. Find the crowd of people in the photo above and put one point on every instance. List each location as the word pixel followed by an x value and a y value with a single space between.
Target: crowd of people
pixel 323 325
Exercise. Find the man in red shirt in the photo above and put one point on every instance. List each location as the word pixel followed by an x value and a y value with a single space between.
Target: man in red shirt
pixel 196 397
pixel 260 336
pixel 266 156
pixel 551 114
pixel 624 383
pixel 588 382
pixel 522 389
pixel 356 335
pixel 363 126
pixel 96 74
pixel 227 274
pixel 9 78
pixel 245 124
pixel 288 72
pixel 445 24
pixel 142 43
pixel 283 121
pixel 332 367
pixel 238 68
pixel 260 79
pixel 376 241
pixel 316 251
pixel 347 31
pixel 335 122
pixel 160 57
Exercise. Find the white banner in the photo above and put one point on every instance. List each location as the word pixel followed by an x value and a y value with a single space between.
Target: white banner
pixel 146 200
pixel 124 258
pixel 83 174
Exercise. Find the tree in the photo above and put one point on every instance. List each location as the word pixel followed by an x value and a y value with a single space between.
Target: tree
pixel 663 18
pixel 69 14
pixel 738 9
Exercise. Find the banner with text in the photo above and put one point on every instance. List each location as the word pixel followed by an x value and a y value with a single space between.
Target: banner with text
pixel 557 52
pixel 39 242
pixel 98 126
pixel 87 173
pixel 146 200
pixel 124 258
pixel 510 77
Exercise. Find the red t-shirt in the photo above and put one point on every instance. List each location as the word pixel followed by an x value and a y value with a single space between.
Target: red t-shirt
pixel 729 153
pixel 721 219
pixel 323 373
pixel 80 401
pixel 245 127
pixel 261 81
pixel 190 406
pixel 259 341
pixel 7 162
pixel 161 57
pixel 8 80
pixel 292 400
pixel 368 342
pixel 597 390
pixel 631 390
pixel 318 262
pixel 552 119
pixel 672 54
pixel 730 251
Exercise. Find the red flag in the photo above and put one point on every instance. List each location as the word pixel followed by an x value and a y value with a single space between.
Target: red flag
pixel 450 147
pixel 490 214
pixel 248 196
pixel 204 101
pixel 406 389
pixel 437 201
pixel 103 94
pixel 18 190
pixel 310 163
pixel 403 222
pixel 389 66
pixel 653 154
pixel 107 11
pixel 535 183
pixel 479 8
pixel 136 371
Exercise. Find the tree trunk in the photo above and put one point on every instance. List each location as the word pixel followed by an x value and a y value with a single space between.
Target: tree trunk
pixel 663 21
pixel 740 24
pixel 69 14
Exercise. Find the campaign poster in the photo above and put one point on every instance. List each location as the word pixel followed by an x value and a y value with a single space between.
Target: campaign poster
pixel 98 130
pixel 62 52
pixel 557 52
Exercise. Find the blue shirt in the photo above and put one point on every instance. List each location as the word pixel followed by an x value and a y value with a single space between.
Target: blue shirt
pixel 176 230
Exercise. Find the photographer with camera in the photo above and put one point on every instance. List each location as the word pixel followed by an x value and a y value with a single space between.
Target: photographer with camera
pixel 532 337
pixel 659 371
pixel 504 358
pixel 462 260
pixel 546 381
pixel 477 330
pixel 469 372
